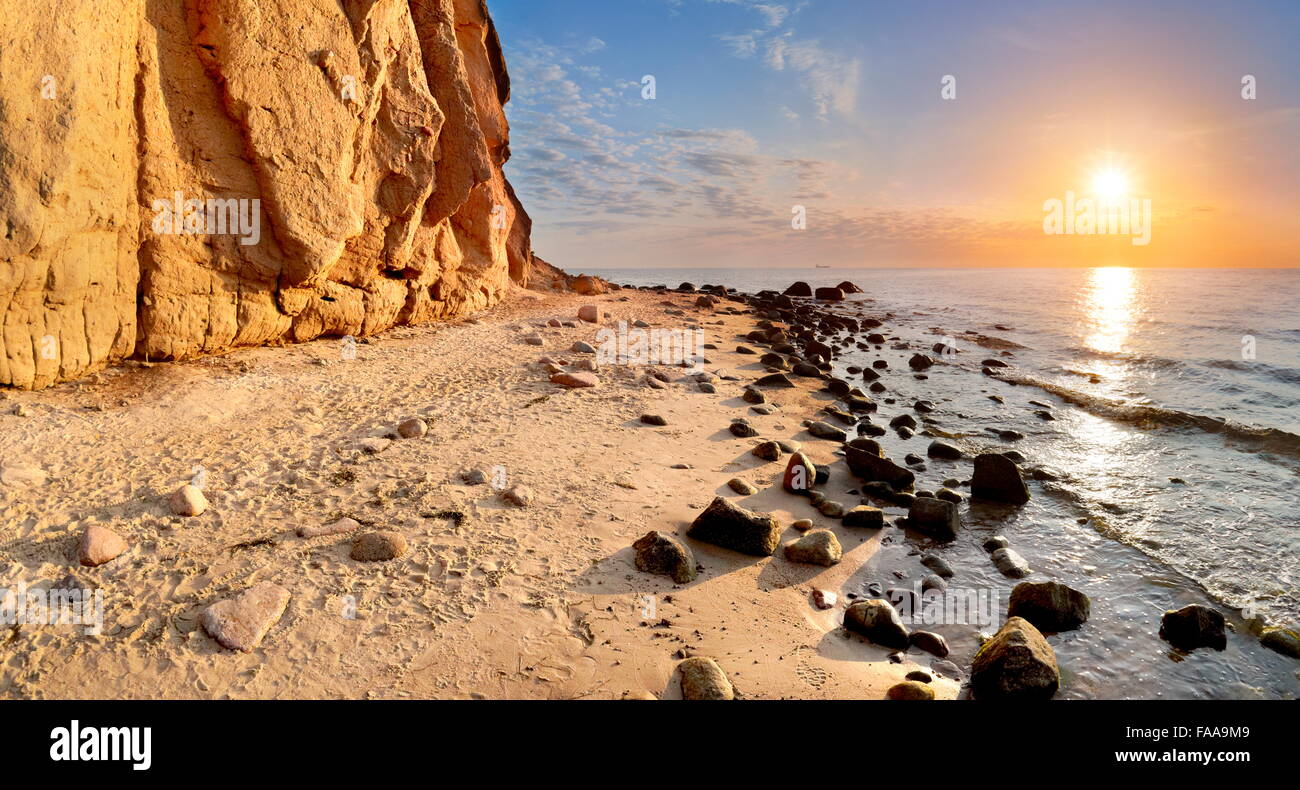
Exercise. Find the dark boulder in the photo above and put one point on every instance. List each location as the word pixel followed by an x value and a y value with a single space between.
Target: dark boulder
pixel 798 289
pixel 871 467
pixel 934 517
pixel 1050 606
pixel 849 288
pixel 944 451
pixel 730 526
pixel 1017 663
pixel 998 478
pixel 664 555
pixel 1193 626
pixel 829 294
pixel 878 621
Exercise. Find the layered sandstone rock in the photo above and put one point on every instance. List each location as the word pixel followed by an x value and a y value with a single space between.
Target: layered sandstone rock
pixel 359 141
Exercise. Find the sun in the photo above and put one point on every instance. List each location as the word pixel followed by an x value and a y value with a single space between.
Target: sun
pixel 1110 184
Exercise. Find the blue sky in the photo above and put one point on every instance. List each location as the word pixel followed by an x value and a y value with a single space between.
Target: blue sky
pixel 834 106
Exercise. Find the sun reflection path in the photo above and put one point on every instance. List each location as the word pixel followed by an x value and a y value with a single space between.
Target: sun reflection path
pixel 1109 296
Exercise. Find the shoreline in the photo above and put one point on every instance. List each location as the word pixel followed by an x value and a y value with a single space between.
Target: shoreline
pixel 542 600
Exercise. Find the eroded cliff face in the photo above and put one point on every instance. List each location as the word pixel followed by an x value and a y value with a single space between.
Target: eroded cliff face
pixel 184 176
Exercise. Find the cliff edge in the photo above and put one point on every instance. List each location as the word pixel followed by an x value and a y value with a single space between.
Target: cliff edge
pixel 179 177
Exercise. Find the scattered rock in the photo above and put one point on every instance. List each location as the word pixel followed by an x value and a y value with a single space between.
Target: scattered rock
pixel 373 445
pixel 730 526
pixel 1010 563
pixel 802 525
pixel 1193 626
pixel 824 430
pixel 930 642
pixel 589 313
pixel 774 380
pixel 1284 640
pixel 575 380
pixel 818 547
pixel 653 419
pixel 520 495
pixel 582 348
pixel 798 289
pixel 878 621
pixel 703 679
pixel 742 487
pixel 99 545
pixel 920 362
pixel 824 599
pixel 944 451
pixel 188 500
pixel 998 478
pixel 768 451
pixel 664 555
pixel 343 526
pixel 872 467
pixel 1050 606
pixel 800 474
pixel 1017 663
pixel 378 546
pixel 241 622
pixel 937 564
pixel 934 517
pixel 910 689
pixel 742 429
pixel 865 516
pixel 919 676
pixel 412 428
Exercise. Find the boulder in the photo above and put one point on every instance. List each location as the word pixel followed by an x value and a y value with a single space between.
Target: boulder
pixel 829 294
pixel 944 451
pixel 798 289
pixel 848 288
pixel 587 285
pixel 818 547
pixel 864 516
pixel 930 642
pixel 824 430
pixel 742 487
pixel 878 621
pixel 872 467
pixel 1017 663
pixel 774 380
pixel 1193 626
pixel 935 517
pixel 1050 606
pixel 703 679
pixel 730 526
pixel 589 313
pixel 919 362
pixel 666 556
pixel 1283 640
pixel 800 474
pixel 768 451
pixel 997 478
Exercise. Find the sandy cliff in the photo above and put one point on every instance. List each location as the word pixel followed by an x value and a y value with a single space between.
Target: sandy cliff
pixel 179 177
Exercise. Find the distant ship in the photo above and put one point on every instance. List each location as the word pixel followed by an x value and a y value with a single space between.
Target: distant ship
pixel 822 266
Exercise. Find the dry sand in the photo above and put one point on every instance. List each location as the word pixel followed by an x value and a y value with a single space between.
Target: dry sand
pixel 541 601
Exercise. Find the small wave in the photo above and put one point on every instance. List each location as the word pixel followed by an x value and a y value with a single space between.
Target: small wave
pixel 1264 439
pixel 1286 375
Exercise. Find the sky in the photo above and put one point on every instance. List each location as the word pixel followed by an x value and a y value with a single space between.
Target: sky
pixel 884 133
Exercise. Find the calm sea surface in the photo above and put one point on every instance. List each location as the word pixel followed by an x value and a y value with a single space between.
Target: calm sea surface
pixel 1154 377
